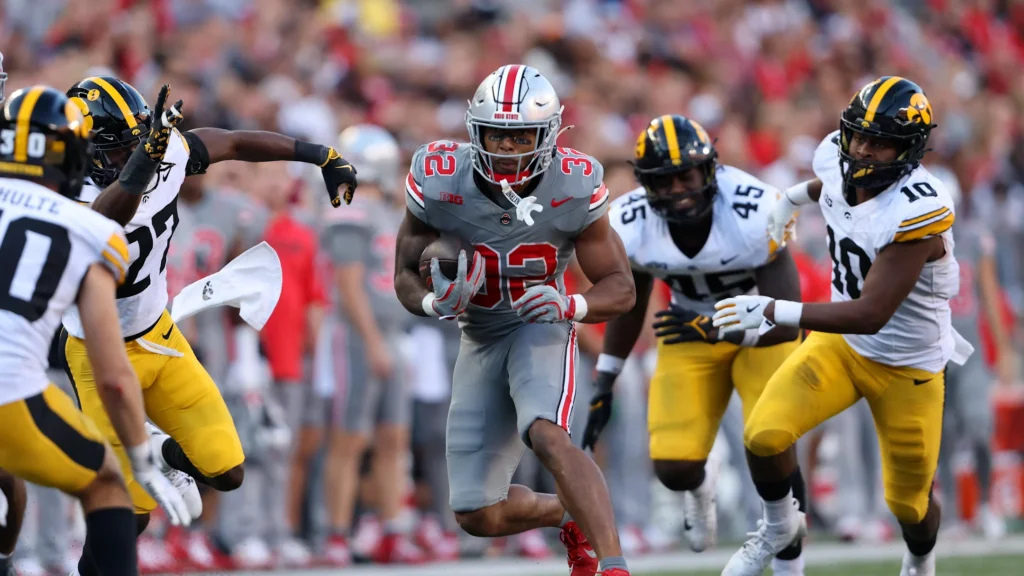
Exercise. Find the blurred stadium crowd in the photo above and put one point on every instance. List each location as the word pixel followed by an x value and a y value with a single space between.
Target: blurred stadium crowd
pixel 767 78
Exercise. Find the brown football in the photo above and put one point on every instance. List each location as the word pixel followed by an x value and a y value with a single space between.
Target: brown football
pixel 446 250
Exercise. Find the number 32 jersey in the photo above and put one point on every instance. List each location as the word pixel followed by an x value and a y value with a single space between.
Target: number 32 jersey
pixel 47 243
pixel 920 333
pixel 143 297
pixel 442 192
pixel 724 267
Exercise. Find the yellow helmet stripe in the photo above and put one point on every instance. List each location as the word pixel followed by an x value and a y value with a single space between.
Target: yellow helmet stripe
pixel 117 98
pixel 876 100
pixel 671 139
pixel 22 125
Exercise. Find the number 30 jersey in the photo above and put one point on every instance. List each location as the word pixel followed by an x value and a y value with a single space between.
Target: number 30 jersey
pixel 724 267
pixel 442 192
pixel 143 297
pixel 920 333
pixel 47 243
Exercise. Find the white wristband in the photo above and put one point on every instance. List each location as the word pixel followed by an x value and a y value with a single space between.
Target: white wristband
pixel 581 307
pixel 788 313
pixel 609 363
pixel 141 457
pixel 750 337
pixel 428 305
pixel 799 194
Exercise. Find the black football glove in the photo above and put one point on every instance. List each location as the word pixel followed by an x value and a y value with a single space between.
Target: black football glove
pixel 600 409
pixel 337 172
pixel 678 325
pixel 142 165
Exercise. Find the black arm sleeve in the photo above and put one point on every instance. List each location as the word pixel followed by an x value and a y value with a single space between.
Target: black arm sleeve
pixel 198 155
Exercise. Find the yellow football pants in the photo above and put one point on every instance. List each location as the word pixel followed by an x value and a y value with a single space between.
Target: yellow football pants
pixel 180 397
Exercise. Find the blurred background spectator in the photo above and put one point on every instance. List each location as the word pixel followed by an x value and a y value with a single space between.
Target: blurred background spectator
pixel 767 78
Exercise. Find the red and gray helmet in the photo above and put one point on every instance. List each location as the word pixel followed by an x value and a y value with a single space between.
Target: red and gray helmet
pixel 513 97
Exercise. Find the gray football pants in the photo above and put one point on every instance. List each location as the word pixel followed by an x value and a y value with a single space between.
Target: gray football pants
pixel 499 390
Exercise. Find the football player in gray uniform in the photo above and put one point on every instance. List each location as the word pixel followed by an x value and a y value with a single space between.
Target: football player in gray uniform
pixel 525 205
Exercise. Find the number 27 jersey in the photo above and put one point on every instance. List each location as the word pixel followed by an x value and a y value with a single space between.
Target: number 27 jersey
pixel 920 333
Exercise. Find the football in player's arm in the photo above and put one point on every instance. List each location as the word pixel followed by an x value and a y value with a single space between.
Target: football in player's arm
pixel 206 146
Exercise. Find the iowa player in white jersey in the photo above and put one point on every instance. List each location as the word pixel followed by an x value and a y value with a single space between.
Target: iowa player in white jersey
pixel 886 336
pixel 181 398
pixel 526 206
pixel 54 253
pixel 702 228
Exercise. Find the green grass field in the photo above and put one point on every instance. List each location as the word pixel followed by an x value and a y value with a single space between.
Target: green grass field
pixel 991 566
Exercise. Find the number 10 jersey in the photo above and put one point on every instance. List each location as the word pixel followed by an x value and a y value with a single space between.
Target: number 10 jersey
pixel 920 332
pixel 724 267
pixel 143 297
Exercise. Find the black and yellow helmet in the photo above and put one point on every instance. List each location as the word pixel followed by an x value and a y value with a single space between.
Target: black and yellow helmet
pixel 120 120
pixel 669 146
pixel 48 139
pixel 890 108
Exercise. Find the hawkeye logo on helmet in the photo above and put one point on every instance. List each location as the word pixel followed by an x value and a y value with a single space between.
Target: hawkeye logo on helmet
pixel 506 116
pixel 93 95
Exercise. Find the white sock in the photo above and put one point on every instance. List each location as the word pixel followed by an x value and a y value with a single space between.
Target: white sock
pixel 778 511
pixel 921 560
pixel 794 566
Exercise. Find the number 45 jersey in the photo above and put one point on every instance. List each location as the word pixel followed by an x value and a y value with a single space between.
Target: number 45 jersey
pixel 920 333
pixel 724 267
pixel 47 243
pixel 442 192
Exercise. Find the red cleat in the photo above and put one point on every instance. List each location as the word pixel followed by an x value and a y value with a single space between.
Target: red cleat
pixel 580 554
pixel 398 549
pixel 337 553
pixel 615 572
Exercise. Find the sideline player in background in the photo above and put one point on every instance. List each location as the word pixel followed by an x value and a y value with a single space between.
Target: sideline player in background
pixel 886 335
pixel 703 228
pixel 181 398
pixel 372 398
pixel 76 256
pixel 526 206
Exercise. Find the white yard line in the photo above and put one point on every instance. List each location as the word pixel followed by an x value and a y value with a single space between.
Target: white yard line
pixel 816 555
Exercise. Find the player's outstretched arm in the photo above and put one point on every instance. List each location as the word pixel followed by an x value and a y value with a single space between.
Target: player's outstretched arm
pixel 603 259
pixel 892 277
pixel 778 279
pixel 413 237
pixel 119 389
pixel 623 331
pixel 115 380
pixel 212 145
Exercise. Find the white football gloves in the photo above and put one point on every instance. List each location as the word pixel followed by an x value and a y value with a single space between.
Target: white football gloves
pixel 451 297
pixel 740 313
pixel 543 304
pixel 148 474
pixel 782 218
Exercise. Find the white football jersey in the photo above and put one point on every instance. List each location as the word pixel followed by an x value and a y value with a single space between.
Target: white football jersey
pixel 47 243
pixel 920 333
pixel 143 297
pixel 724 267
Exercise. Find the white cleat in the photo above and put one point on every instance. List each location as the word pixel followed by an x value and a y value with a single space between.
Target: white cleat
pixel 700 512
pixel 918 565
pixel 185 484
pixel 992 525
pixel 757 553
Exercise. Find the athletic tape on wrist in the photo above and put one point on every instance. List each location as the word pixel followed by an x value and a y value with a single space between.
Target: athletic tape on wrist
pixel 788 313
pixel 609 363
pixel 428 305
pixel 581 307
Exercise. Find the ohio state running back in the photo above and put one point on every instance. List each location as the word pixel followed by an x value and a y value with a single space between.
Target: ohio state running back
pixel 526 205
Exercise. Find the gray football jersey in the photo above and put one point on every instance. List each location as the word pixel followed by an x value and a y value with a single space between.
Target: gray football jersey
pixel 972 241
pixel 221 221
pixel 441 191
pixel 365 233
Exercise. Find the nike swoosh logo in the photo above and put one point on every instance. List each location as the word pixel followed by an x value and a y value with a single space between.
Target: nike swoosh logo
pixel 557 203
pixel 168 334
pixel 752 308
pixel 727 260
pixel 919 382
